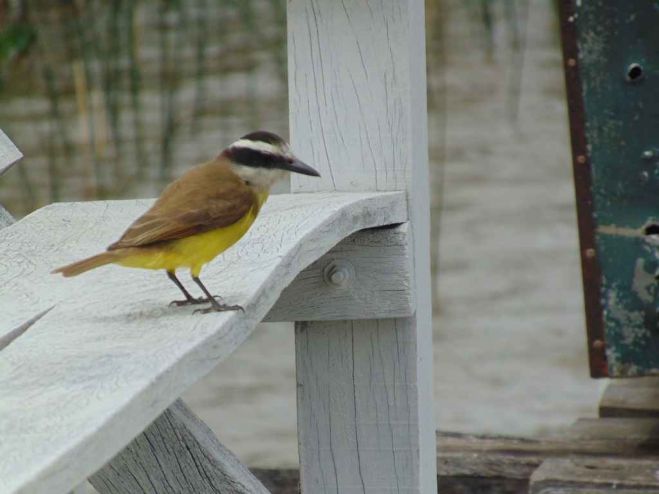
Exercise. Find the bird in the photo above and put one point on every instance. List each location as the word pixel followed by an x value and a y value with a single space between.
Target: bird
pixel 201 214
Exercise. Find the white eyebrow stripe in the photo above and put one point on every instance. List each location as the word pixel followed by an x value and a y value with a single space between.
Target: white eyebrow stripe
pixel 256 146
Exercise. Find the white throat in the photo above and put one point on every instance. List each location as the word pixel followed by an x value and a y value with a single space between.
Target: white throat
pixel 261 178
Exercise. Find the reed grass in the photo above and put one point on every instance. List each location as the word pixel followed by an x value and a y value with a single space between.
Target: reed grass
pixel 121 78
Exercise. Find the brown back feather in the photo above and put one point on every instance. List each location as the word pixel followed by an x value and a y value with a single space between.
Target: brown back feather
pixel 208 197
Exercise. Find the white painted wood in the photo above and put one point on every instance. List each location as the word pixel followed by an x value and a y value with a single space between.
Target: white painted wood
pixel 12 334
pixel 84 488
pixel 176 453
pixel 9 153
pixel 111 355
pixel 378 264
pixel 6 218
pixel 357 92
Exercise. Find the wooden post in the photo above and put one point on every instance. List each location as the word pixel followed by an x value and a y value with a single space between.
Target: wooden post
pixel 357 91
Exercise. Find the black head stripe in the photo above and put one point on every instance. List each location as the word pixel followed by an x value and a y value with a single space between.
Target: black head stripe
pixel 253 157
pixel 264 136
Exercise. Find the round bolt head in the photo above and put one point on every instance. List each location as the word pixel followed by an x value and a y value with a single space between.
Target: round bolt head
pixel 339 273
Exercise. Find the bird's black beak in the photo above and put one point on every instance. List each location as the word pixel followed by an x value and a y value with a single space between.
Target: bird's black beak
pixel 297 166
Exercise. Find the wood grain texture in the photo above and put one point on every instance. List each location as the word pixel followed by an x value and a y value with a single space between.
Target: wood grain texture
pixel 587 437
pixel 631 398
pixel 495 464
pixel 379 284
pixel 111 356
pixel 9 153
pixel 487 464
pixel 11 335
pixel 595 475
pixel 177 453
pixel 357 95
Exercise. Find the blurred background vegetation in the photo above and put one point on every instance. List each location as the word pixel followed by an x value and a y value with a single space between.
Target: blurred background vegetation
pixel 111 98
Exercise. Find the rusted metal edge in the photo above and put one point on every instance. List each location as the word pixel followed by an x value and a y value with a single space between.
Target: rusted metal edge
pixel 590 266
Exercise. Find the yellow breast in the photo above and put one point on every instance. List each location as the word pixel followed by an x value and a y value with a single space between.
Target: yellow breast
pixel 196 250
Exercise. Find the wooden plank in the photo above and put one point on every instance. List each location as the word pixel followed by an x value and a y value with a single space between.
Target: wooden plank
pixel 631 398
pixel 588 437
pixel 357 94
pixel 621 436
pixel 9 153
pixel 6 218
pixel 374 266
pixel 176 453
pixel 595 474
pixel 487 464
pixel 30 255
pixel 11 335
pixel 464 459
pixel 503 465
pixel 91 374
pixel 587 490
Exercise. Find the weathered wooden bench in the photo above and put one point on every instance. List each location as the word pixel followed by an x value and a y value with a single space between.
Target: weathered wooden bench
pixel 91 367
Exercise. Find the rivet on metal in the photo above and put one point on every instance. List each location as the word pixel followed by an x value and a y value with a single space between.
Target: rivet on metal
pixel 339 273
pixel 590 253
pixel 634 72
pixel 598 344
pixel 581 159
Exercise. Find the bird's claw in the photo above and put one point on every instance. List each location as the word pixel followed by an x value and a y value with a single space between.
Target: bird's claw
pixel 219 308
pixel 193 301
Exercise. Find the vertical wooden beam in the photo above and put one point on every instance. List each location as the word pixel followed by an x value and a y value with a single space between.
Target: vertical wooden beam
pixel 357 91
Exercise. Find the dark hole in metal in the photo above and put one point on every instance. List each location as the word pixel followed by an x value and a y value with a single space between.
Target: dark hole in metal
pixel 634 72
pixel 651 229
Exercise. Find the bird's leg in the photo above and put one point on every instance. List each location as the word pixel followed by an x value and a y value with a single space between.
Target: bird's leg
pixel 189 299
pixel 215 305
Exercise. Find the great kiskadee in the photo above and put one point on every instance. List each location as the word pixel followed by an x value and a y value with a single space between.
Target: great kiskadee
pixel 201 214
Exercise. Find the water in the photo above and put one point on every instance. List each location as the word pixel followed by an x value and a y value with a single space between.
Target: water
pixel 115 99
pixel 100 114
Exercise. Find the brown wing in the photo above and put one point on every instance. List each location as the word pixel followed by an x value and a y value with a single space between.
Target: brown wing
pixel 204 199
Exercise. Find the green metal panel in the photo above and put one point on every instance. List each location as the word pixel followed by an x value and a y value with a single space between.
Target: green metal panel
pixel 611 50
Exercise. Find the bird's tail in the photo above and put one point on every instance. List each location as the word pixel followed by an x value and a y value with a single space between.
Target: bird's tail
pixel 92 262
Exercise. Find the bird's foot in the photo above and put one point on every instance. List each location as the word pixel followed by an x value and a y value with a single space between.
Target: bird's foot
pixel 193 301
pixel 219 308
